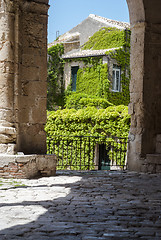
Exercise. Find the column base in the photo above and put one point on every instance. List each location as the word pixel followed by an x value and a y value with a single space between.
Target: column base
pixel 27 166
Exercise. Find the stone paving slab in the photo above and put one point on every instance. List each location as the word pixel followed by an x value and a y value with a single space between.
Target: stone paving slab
pixel 82 206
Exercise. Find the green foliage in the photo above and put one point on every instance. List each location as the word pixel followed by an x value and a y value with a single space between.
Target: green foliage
pixel 81 100
pixel 113 121
pixel 55 89
pixel 93 80
pixel 94 102
pixel 88 110
pixel 63 125
pixel 105 38
pixel 122 56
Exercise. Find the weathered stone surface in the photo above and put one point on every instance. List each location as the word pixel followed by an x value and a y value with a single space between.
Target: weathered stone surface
pixel 23 70
pixel 145 84
pixel 27 166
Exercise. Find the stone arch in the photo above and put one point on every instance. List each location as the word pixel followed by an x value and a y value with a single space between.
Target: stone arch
pixel 23 70
pixel 144 150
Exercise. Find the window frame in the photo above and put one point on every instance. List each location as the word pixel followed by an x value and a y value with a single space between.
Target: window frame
pixel 74 70
pixel 116 69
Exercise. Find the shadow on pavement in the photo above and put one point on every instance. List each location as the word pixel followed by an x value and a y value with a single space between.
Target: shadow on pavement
pixel 86 207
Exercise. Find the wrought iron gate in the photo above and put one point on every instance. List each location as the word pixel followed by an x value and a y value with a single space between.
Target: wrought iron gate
pixel 88 152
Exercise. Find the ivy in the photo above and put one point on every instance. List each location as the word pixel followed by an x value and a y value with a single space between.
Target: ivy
pixel 67 123
pixel 90 110
pixel 55 88
pixel 94 78
pixel 82 100
pixel 105 38
pixel 113 121
pixel 122 56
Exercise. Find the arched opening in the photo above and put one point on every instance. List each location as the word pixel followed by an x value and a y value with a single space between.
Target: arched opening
pixel 23 80
pixel 70 70
pixel 145 95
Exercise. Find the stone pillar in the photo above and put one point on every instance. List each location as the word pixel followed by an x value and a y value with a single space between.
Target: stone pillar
pixel 145 87
pixel 23 76
pixel 31 83
pixel 23 89
pixel 8 130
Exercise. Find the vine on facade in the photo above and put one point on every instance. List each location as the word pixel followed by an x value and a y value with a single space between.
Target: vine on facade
pixel 94 79
pixel 55 87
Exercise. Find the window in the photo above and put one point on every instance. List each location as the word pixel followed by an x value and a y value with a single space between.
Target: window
pixel 116 75
pixel 74 71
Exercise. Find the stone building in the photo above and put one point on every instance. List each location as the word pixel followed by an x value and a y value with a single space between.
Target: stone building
pixel 71 68
pixel 74 41
pixel 80 34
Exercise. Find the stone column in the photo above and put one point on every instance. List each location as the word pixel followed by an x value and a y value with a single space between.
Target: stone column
pixel 23 76
pixel 7 126
pixel 145 88
pixel 23 89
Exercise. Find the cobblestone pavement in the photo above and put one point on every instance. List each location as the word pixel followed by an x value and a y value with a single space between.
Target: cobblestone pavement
pixel 82 206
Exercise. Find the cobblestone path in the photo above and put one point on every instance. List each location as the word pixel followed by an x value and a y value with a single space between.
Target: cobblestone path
pixel 82 206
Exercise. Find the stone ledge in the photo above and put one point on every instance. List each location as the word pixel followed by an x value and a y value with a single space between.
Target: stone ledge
pixel 27 166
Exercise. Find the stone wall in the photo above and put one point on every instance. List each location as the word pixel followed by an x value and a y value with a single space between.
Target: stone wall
pixel 144 153
pixel 31 105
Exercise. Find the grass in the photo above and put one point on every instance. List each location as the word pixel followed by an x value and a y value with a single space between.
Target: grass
pixel 11 182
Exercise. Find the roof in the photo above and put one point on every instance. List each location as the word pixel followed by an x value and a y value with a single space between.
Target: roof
pixel 110 22
pixel 87 53
pixel 67 37
pixel 95 23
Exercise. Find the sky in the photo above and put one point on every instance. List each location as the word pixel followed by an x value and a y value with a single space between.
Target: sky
pixel 66 14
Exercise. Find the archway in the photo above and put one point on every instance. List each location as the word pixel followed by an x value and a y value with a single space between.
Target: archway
pixel 23 80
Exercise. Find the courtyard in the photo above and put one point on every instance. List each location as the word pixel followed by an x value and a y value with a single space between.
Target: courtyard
pixel 94 205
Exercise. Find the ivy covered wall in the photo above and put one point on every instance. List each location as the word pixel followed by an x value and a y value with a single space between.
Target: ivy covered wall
pixel 55 87
pixel 68 123
pixel 90 110
pixel 95 78
pixel 105 38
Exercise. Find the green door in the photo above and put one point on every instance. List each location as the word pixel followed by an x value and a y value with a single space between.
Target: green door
pixel 104 161
pixel 74 71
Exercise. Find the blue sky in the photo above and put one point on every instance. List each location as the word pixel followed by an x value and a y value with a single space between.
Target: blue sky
pixel 66 14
